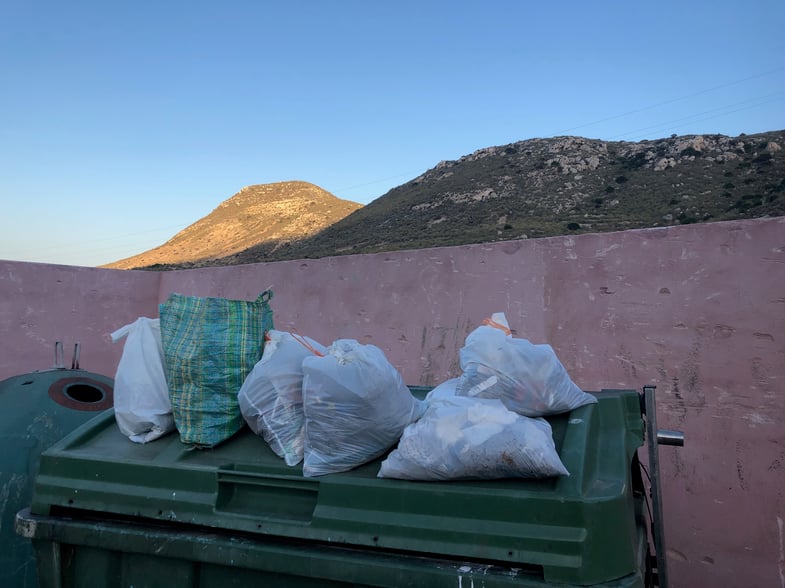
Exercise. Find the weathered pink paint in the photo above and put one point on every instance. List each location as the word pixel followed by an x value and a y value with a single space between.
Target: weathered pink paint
pixel 42 303
pixel 697 310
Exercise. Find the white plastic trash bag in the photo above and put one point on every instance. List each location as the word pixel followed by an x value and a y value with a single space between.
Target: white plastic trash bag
pixel 141 397
pixel 444 392
pixel 271 397
pixel 529 379
pixel 356 407
pixel 472 438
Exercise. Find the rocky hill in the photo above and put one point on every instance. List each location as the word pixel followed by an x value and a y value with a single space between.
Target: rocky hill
pixel 555 186
pixel 274 214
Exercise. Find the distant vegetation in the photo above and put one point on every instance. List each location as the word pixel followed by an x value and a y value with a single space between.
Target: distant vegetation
pixel 556 186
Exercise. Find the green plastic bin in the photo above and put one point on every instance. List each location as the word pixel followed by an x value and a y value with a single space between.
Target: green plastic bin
pixel 107 512
pixel 36 410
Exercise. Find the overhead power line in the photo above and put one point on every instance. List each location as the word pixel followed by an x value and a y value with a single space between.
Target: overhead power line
pixel 672 100
pixel 722 111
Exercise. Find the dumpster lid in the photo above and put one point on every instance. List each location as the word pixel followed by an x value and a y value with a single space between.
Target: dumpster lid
pixel 578 529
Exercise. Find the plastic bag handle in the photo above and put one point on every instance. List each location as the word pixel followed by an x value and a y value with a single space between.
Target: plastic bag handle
pixel 304 342
pixel 265 296
pixel 121 332
pixel 492 323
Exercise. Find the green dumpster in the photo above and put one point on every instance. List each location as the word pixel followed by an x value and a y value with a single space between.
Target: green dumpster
pixel 108 512
pixel 36 410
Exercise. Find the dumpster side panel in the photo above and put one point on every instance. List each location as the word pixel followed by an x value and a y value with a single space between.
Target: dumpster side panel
pixel 74 553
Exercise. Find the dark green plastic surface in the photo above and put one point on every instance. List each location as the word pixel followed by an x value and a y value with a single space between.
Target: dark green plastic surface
pixel 73 553
pixel 579 530
pixel 36 410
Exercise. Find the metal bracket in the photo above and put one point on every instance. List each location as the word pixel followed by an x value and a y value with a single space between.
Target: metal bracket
pixel 58 364
pixel 656 437
pixel 75 360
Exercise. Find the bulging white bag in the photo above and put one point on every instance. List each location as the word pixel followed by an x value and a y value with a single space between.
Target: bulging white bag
pixel 356 407
pixel 529 379
pixel 271 397
pixel 472 438
pixel 141 396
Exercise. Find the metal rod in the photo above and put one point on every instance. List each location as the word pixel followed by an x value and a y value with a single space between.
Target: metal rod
pixel 668 437
pixel 59 365
pixel 658 529
pixel 75 360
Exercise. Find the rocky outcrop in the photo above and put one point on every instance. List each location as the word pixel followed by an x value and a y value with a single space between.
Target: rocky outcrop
pixel 533 188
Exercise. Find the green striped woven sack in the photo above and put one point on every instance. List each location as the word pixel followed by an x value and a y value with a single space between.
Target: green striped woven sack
pixel 210 345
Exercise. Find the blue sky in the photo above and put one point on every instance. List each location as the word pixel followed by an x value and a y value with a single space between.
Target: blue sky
pixel 122 123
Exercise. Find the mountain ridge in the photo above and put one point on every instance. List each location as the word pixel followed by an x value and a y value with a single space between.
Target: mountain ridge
pixel 552 186
pixel 277 212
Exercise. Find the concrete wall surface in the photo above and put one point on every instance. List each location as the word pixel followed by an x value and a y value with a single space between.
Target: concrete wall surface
pixel 41 304
pixel 697 310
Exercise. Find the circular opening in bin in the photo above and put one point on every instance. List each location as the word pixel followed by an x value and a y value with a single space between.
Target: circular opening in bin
pixel 84 393
pixel 80 393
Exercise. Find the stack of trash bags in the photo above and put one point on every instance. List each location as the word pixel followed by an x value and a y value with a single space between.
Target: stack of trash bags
pixel 183 370
pixel 337 407
pixel 488 423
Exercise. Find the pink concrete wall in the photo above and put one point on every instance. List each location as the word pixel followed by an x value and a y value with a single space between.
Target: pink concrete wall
pixel 697 310
pixel 700 312
pixel 42 303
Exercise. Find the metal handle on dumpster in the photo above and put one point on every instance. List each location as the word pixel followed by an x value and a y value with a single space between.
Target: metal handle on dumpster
pixel 668 437
pixel 656 437
pixel 266 496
